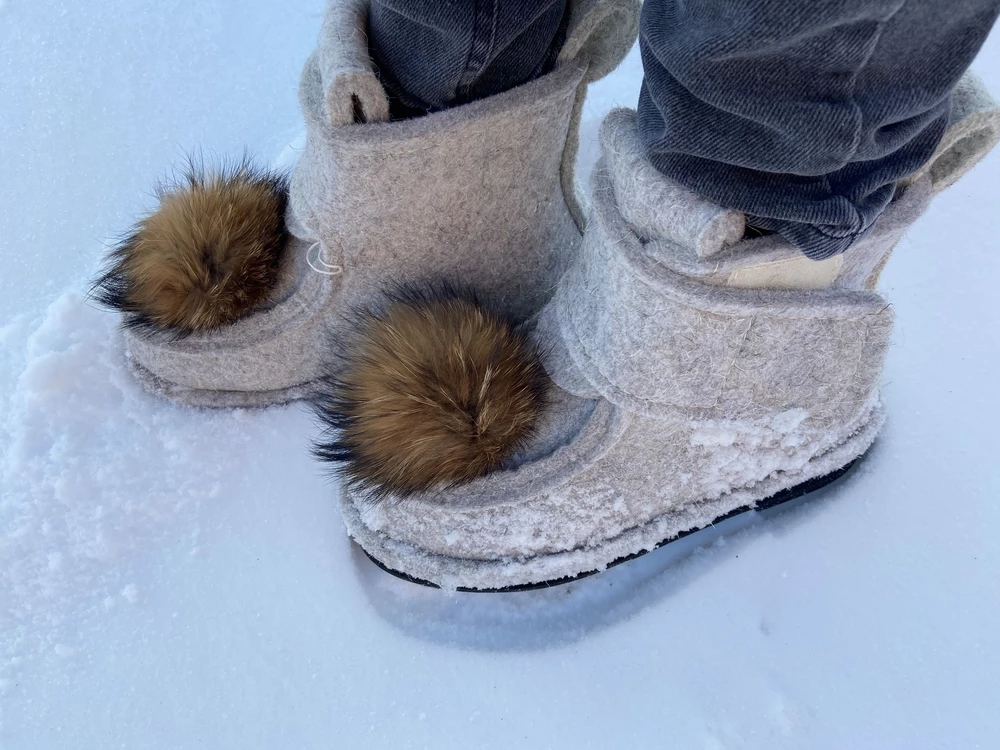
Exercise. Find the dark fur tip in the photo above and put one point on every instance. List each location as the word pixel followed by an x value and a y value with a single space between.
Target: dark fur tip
pixel 434 389
pixel 207 256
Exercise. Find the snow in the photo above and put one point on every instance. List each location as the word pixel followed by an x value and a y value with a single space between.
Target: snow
pixel 174 578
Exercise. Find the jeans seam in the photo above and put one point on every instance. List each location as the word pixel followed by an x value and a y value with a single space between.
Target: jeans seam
pixel 493 37
pixel 857 74
pixel 479 56
pixel 462 87
pixel 544 9
pixel 417 21
pixel 819 230
pixel 861 125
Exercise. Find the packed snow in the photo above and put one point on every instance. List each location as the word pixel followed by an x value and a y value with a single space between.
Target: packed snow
pixel 179 578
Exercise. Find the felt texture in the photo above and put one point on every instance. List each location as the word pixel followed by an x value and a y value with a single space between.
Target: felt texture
pixel 351 89
pixel 273 350
pixel 470 193
pixel 680 399
pixel 791 273
pixel 658 343
pixel 658 208
pixel 598 32
pixel 974 129
pixel 451 570
pixel 474 194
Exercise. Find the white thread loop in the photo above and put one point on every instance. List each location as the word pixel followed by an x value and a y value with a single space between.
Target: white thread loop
pixel 327 269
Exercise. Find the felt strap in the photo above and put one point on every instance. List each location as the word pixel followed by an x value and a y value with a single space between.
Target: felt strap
pixel 600 34
pixel 656 207
pixel 655 342
pixel 353 91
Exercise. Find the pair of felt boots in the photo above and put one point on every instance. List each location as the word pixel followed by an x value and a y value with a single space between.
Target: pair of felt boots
pixel 522 386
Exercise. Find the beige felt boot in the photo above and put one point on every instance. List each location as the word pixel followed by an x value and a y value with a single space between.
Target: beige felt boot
pixel 698 375
pixel 482 194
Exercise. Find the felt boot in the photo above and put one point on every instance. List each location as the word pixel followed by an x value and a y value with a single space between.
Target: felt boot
pixel 482 194
pixel 698 374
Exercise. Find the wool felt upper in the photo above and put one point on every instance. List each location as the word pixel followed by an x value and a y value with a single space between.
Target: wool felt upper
pixel 681 399
pixel 480 194
pixel 352 91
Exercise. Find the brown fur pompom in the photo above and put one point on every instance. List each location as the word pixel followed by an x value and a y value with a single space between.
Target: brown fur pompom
pixel 436 390
pixel 206 257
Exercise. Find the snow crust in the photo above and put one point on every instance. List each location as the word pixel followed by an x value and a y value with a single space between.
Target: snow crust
pixel 175 578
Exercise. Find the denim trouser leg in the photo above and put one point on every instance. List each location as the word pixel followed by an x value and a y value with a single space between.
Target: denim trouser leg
pixel 435 54
pixel 804 115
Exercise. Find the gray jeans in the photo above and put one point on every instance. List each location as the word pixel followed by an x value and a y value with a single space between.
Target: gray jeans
pixel 802 114
pixel 435 54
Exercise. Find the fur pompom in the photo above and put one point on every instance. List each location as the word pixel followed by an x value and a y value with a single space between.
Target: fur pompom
pixel 435 390
pixel 206 257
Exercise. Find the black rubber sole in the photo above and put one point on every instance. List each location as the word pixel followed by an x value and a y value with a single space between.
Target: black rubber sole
pixel 792 493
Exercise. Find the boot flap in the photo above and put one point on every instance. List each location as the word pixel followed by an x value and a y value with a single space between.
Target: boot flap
pixel 658 343
pixel 600 34
pixel 973 131
pixel 352 91
pixel 655 206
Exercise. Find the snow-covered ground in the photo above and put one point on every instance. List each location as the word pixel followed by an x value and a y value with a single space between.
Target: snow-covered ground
pixel 174 578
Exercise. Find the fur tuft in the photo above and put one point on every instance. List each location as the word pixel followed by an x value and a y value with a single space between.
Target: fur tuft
pixel 435 390
pixel 207 256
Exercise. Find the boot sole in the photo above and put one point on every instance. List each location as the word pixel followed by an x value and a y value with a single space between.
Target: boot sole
pixel 779 498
